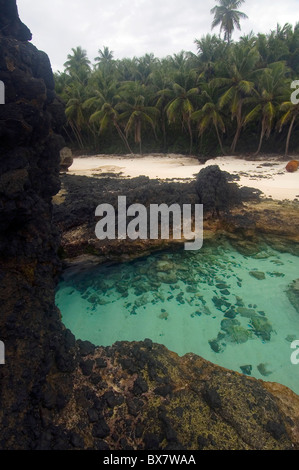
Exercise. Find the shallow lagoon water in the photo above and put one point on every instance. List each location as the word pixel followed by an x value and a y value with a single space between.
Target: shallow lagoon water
pixel 230 309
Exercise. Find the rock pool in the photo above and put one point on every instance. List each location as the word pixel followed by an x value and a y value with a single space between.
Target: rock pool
pixel 233 310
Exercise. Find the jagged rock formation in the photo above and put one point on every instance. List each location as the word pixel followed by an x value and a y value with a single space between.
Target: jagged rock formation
pixel 59 393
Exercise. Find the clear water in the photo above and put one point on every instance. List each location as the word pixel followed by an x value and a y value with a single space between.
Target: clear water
pixel 206 302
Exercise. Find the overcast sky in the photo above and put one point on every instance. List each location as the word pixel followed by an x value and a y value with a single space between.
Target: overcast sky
pixel 136 27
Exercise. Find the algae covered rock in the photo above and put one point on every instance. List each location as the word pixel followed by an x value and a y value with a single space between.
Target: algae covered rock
pixel 247 369
pixel 262 327
pixel 235 333
pixel 258 275
pixel 246 312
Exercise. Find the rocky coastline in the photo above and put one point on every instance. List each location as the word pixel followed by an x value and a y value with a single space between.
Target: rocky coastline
pixel 59 393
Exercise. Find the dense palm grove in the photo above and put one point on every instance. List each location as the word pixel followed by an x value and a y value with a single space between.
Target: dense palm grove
pixel 229 97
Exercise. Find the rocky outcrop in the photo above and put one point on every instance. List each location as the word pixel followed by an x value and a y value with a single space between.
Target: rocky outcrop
pixel 61 393
pixel 217 193
pixel 30 141
pixel 10 23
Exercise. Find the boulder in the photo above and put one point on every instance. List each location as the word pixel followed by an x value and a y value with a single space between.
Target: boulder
pixel 66 158
pixel 292 166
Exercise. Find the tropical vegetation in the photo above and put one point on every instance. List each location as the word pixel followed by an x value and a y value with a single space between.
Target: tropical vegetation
pixel 230 97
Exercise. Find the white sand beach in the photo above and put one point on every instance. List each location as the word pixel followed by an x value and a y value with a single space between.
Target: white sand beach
pixel 268 175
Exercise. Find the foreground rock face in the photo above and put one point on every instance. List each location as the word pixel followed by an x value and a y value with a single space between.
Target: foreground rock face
pixel 59 393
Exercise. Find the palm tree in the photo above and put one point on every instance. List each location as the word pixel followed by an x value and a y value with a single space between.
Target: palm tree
pixel 102 105
pixel 269 95
pixel 105 55
pixel 228 17
pixel 106 116
pixel 160 82
pixel 210 113
pixel 240 84
pixel 78 62
pixel 126 69
pixel 211 50
pixel 135 113
pixel 75 110
pixel 290 114
pixel 182 102
pixel 104 60
pixel 145 67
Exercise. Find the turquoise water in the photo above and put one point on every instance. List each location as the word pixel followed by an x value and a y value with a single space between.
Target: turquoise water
pixel 231 309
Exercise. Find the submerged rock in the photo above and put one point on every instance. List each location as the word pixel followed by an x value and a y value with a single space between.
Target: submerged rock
pixel 238 334
pixel 164 315
pixel 215 346
pixel 293 294
pixel 262 327
pixel 263 370
pixel 247 312
pixel 258 275
pixel 235 333
pixel 164 266
pixel 247 369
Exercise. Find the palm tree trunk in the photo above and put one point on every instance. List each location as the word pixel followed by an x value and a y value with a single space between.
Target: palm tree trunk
pixel 236 138
pixel 68 134
pixel 190 134
pixel 239 127
pixel 138 135
pixel 261 141
pixel 289 135
pixel 164 133
pixel 219 140
pixel 77 134
pixel 123 137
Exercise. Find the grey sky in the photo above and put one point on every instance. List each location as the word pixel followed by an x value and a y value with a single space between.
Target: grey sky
pixel 135 27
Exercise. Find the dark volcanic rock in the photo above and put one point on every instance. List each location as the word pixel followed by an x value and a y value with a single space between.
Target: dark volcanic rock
pixel 217 193
pixel 29 156
pixel 10 23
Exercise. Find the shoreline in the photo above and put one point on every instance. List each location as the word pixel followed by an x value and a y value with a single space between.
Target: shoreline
pixel 268 174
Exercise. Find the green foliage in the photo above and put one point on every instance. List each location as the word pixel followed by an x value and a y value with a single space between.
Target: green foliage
pixel 230 96
pixel 228 17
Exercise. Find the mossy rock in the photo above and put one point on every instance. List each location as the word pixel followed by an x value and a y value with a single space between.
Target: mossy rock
pixel 262 327
pixel 247 312
pixel 238 334
pixel 259 275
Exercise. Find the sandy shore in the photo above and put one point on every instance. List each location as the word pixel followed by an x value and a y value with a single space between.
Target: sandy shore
pixel 267 175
